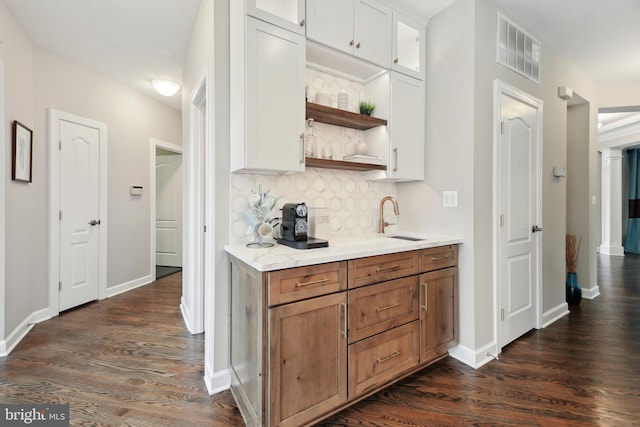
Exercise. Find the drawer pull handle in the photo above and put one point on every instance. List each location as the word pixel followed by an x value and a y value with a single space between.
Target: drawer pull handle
pixel 313 282
pixel 440 258
pixel 424 307
pixel 344 313
pixel 391 356
pixel 389 307
pixel 391 267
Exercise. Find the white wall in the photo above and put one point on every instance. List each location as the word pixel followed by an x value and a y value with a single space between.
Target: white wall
pixel 36 80
pixel 619 94
pixel 25 265
pixel 132 119
pixel 461 69
pixel 208 55
pixel 578 197
pixel 449 150
pixel 555 72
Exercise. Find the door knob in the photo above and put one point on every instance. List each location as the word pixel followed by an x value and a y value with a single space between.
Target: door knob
pixel 94 222
pixel 535 229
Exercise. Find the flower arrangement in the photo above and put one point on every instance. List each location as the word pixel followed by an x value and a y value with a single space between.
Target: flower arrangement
pixel 260 225
pixel 572 252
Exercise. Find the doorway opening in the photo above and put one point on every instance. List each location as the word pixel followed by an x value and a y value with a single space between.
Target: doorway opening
pixel 166 194
pixel 197 267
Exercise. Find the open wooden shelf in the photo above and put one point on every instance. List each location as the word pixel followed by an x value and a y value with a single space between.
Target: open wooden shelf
pixel 312 162
pixel 334 116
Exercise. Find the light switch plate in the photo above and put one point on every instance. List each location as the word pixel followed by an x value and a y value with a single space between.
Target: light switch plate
pixel 450 199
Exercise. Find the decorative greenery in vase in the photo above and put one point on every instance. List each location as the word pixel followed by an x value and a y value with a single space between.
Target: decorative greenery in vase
pixel 573 250
pixel 367 107
pixel 574 292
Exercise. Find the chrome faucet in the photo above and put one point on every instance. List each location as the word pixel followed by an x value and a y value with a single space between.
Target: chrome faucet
pixel 382 224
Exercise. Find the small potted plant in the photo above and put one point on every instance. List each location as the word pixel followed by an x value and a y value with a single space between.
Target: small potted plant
pixel 367 107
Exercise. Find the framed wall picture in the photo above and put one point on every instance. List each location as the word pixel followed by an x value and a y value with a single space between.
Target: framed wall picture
pixel 22 158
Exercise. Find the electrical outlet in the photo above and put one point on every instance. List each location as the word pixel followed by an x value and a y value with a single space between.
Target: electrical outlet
pixel 450 199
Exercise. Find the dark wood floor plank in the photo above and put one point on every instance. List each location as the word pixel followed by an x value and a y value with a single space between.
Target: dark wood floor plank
pixel 129 361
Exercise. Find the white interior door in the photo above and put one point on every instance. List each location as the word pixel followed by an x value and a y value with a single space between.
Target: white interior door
pixel 79 262
pixel 519 198
pixel 169 210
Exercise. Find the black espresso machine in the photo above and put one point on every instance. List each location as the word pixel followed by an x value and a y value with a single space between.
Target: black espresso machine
pixel 294 228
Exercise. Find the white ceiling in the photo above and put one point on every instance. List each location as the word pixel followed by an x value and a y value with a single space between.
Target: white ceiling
pixel 133 41
pixel 130 41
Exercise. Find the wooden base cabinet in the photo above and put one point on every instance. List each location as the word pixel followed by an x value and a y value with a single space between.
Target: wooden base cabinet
pixel 437 312
pixel 309 341
pixel 307 359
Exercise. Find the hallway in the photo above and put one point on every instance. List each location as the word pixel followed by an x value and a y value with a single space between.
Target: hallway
pixel 129 360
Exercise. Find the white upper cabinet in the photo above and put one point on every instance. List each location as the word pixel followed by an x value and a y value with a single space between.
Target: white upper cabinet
pixel 372 32
pixel 288 14
pixel 267 105
pixel 408 46
pixel 362 28
pixel 406 129
pixel 330 22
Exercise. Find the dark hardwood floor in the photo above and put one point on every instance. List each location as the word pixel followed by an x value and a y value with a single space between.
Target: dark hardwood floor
pixel 123 361
pixel 129 361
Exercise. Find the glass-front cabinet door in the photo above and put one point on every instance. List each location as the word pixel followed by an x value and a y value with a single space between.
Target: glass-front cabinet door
pixel 287 14
pixel 408 46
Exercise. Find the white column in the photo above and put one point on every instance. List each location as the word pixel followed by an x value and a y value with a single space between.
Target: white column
pixel 612 202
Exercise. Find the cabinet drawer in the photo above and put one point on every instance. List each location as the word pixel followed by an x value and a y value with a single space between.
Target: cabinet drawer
pixel 365 271
pixel 295 284
pixel 437 258
pixel 382 357
pixel 374 309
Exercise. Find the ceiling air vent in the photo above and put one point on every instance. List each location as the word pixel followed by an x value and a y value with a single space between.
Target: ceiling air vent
pixel 518 50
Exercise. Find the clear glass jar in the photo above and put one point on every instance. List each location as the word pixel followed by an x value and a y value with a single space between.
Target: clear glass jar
pixel 310 142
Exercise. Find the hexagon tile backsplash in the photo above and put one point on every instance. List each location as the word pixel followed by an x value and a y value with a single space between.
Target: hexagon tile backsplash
pixel 352 201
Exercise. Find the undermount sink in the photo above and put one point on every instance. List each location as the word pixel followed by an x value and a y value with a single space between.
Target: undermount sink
pixel 413 239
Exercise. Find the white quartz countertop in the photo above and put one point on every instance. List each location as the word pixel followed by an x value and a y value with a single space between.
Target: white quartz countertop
pixel 280 257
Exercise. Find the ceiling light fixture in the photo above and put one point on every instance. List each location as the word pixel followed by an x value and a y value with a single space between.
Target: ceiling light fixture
pixel 165 87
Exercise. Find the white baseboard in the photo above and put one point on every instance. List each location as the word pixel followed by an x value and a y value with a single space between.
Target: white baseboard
pixel 592 293
pixel 486 354
pixel 22 330
pixel 216 381
pixel 473 358
pixel 611 250
pixel 186 316
pixel 128 286
pixel 554 314
pixel 463 354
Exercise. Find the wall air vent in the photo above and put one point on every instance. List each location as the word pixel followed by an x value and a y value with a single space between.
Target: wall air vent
pixel 518 50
